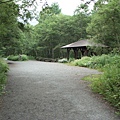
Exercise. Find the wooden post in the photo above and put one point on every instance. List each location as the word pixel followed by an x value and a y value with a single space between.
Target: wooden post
pixel 77 49
pixel 82 52
pixel 68 52
pixel 76 52
pixel 79 55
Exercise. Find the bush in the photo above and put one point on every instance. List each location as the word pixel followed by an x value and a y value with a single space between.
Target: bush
pixel 83 62
pixel 108 84
pixel 31 57
pixel 18 57
pixel 71 59
pixel 64 60
pixel 13 58
pixel 3 70
pixel 24 57
pixel 97 62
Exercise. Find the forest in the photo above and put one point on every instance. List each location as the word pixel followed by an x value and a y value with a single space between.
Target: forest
pixel 54 29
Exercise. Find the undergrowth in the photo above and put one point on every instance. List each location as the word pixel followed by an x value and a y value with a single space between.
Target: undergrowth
pixel 18 57
pixel 3 69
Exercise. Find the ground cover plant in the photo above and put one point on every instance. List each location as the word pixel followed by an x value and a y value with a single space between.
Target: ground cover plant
pixel 108 83
pixel 64 60
pixel 3 77
pixel 18 57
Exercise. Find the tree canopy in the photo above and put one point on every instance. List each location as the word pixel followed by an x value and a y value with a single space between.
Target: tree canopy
pixel 55 29
pixel 105 23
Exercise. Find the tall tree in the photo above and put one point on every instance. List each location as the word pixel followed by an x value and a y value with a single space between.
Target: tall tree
pixel 8 24
pixel 82 18
pixel 59 30
pixel 49 11
pixel 105 23
pixel 11 31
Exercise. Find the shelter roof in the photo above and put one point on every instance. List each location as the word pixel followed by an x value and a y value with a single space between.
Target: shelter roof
pixel 82 43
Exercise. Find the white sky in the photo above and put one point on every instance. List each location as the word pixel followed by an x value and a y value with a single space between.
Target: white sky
pixel 67 6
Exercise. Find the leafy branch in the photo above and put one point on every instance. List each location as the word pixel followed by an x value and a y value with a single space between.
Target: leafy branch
pixel 1 2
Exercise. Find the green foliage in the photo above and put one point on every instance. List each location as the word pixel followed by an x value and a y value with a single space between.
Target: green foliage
pixel 3 69
pixel 8 26
pixel 115 51
pixel 49 11
pixel 64 60
pixel 3 66
pixel 24 57
pixel 71 59
pixel 25 9
pixel 83 62
pixel 108 83
pixel 8 16
pixel 50 37
pixel 31 57
pixel 18 57
pixel 45 39
pixel 13 58
pixel 55 30
pixel 105 26
pixel 11 36
pixel 97 61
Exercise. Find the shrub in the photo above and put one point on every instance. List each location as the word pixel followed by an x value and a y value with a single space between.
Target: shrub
pixel 97 61
pixel 31 57
pixel 13 58
pixel 64 60
pixel 83 62
pixel 108 84
pixel 3 70
pixel 24 57
pixel 18 57
pixel 71 59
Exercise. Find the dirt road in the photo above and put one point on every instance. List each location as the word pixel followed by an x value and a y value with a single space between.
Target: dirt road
pixel 51 91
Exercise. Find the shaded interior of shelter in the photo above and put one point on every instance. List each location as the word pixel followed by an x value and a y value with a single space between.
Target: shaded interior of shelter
pixel 82 47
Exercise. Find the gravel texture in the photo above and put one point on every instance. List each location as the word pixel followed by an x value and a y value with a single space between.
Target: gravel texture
pixel 51 91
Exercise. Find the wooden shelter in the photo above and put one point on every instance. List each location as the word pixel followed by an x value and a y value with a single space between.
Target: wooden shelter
pixel 80 45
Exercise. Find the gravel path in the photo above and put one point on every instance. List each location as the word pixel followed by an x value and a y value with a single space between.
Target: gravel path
pixel 51 91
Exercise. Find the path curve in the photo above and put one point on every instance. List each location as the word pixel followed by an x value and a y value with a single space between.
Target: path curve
pixel 51 91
